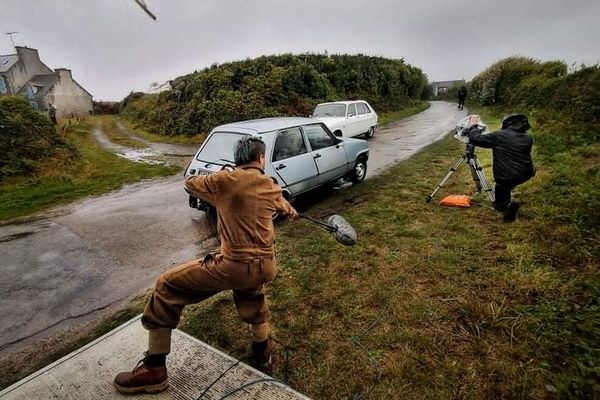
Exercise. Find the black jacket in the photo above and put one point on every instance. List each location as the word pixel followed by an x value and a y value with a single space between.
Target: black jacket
pixel 512 152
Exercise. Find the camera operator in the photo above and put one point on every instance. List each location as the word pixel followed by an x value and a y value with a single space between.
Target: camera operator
pixel 511 149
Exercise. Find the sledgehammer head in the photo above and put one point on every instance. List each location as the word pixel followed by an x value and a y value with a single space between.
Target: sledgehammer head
pixel 344 233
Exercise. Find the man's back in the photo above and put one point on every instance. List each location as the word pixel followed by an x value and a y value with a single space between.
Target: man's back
pixel 245 199
pixel 512 153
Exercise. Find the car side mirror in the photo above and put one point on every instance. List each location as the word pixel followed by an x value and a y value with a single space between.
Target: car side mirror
pixel 350 115
pixel 337 133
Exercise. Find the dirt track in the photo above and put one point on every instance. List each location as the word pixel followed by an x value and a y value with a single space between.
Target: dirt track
pixel 82 259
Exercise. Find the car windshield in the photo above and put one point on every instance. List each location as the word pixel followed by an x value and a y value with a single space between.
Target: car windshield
pixel 330 110
pixel 218 149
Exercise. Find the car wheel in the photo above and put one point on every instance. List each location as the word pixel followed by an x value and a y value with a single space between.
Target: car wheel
pixel 370 133
pixel 359 172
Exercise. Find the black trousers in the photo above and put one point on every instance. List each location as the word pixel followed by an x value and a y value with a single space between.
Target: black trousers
pixel 503 192
pixel 461 103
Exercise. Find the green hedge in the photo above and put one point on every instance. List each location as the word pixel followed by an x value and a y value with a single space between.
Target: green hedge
pixel 565 105
pixel 274 86
pixel 27 137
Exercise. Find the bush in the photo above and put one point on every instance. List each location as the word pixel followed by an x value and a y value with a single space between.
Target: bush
pixel 565 106
pixel 27 137
pixel 106 107
pixel 284 85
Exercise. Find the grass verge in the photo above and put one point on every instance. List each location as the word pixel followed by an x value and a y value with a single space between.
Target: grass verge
pixel 391 116
pixel 433 302
pixel 96 171
pixel 154 137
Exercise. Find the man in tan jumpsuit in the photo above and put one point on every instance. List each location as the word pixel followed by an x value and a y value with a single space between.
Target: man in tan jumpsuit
pixel 245 199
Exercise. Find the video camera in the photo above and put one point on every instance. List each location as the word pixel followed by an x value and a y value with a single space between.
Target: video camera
pixel 468 125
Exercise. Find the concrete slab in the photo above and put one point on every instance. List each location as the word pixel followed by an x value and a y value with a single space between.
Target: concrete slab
pixel 193 366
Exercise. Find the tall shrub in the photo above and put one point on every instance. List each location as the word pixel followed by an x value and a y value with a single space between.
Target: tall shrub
pixel 27 137
pixel 282 85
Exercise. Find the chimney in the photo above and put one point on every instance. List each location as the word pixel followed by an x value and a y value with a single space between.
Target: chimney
pixel 26 52
pixel 64 73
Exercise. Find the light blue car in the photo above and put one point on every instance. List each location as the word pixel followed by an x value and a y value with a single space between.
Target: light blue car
pixel 302 154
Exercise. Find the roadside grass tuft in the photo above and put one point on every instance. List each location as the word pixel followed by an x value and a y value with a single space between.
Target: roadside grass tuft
pixel 162 138
pixel 62 180
pixel 391 116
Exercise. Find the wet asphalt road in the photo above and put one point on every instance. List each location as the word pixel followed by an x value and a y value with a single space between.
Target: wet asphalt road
pixel 86 257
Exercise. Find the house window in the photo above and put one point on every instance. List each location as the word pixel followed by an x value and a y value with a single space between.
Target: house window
pixel 3 85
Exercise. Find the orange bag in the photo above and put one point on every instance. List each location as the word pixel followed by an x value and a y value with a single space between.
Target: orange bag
pixel 456 200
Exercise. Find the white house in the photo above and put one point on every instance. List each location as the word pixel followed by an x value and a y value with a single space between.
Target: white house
pixel 25 74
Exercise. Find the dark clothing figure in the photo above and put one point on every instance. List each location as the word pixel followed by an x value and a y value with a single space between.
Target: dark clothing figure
pixel 52 114
pixel 462 96
pixel 511 149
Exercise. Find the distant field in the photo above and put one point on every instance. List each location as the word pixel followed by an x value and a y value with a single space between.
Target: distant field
pixel 156 137
pixel 391 116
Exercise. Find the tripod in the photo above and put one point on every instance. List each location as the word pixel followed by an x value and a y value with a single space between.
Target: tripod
pixel 481 182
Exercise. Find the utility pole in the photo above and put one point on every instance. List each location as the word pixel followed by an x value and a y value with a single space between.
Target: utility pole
pixel 11 37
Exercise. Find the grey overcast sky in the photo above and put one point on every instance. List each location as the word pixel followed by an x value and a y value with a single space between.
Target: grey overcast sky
pixel 113 47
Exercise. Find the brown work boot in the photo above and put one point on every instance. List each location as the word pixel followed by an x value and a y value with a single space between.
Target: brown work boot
pixel 143 379
pixel 261 355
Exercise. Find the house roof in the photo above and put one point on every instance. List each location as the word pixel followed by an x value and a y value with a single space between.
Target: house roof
pixel 7 61
pixel 46 81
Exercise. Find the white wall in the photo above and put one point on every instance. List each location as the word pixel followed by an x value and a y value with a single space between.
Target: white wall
pixel 68 96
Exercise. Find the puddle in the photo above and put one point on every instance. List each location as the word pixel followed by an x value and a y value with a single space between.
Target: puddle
pixel 142 156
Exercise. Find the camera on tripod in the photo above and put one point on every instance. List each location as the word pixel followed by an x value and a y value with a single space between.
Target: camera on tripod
pixel 470 125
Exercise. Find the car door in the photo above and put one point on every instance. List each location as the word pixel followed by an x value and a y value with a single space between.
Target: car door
pixel 292 161
pixel 363 117
pixel 371 115
pixel 352 121
pixel 327 151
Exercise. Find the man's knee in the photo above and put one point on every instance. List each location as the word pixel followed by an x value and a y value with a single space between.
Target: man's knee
pixel 161 282
pixel 252 306
pixel 254 315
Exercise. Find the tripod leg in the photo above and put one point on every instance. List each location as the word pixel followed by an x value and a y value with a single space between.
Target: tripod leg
pixel 448 175
pixel 480 179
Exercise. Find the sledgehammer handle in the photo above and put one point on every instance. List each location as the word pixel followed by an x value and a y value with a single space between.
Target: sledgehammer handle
pixel 330 228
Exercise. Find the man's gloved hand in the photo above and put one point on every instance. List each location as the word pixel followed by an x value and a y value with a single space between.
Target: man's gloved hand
pixel 293 215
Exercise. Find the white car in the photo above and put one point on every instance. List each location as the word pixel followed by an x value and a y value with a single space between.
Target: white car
pixel 348 118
